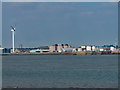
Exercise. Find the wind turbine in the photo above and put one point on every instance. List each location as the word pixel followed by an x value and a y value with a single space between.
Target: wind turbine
pixel 13 37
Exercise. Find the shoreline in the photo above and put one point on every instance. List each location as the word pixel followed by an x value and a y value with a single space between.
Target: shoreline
pixel 64 53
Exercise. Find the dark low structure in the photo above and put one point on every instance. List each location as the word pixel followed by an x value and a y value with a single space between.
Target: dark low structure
pixel 6 50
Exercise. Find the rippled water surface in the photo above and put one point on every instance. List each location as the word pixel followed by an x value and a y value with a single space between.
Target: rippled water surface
pixel 60 71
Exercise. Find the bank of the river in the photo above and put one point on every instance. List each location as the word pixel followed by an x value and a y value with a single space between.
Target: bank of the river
pixel 64 53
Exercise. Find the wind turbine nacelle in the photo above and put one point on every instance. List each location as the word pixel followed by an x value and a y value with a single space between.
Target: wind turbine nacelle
pixel 12 30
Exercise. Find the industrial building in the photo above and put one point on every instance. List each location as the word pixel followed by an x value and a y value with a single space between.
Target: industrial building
pixel 59 47
pixel 40 49
pixel 5 50
pixel 52 48
pixel 87 48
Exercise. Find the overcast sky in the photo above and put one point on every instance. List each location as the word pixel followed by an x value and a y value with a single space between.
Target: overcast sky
pixel 39 24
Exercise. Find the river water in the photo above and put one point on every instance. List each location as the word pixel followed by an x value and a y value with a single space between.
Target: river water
pixel 60 71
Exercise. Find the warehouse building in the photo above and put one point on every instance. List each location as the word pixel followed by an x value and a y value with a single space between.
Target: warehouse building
pixel 39 51
pixel 58 47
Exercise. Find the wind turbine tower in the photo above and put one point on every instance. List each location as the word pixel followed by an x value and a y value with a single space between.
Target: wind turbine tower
pixel 13 37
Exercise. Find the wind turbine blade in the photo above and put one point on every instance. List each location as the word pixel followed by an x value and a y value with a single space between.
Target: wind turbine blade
pixel 13 28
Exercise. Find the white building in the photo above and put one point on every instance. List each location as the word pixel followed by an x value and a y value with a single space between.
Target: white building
pixel 39 50
pixel 74 50
pixel 1 48
pixel 112 48
pixel 101 49
pixel 83 46
pixel 68 49
pixel 60 50
pixel 93 48
pixel 79 49
pixel 89 48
